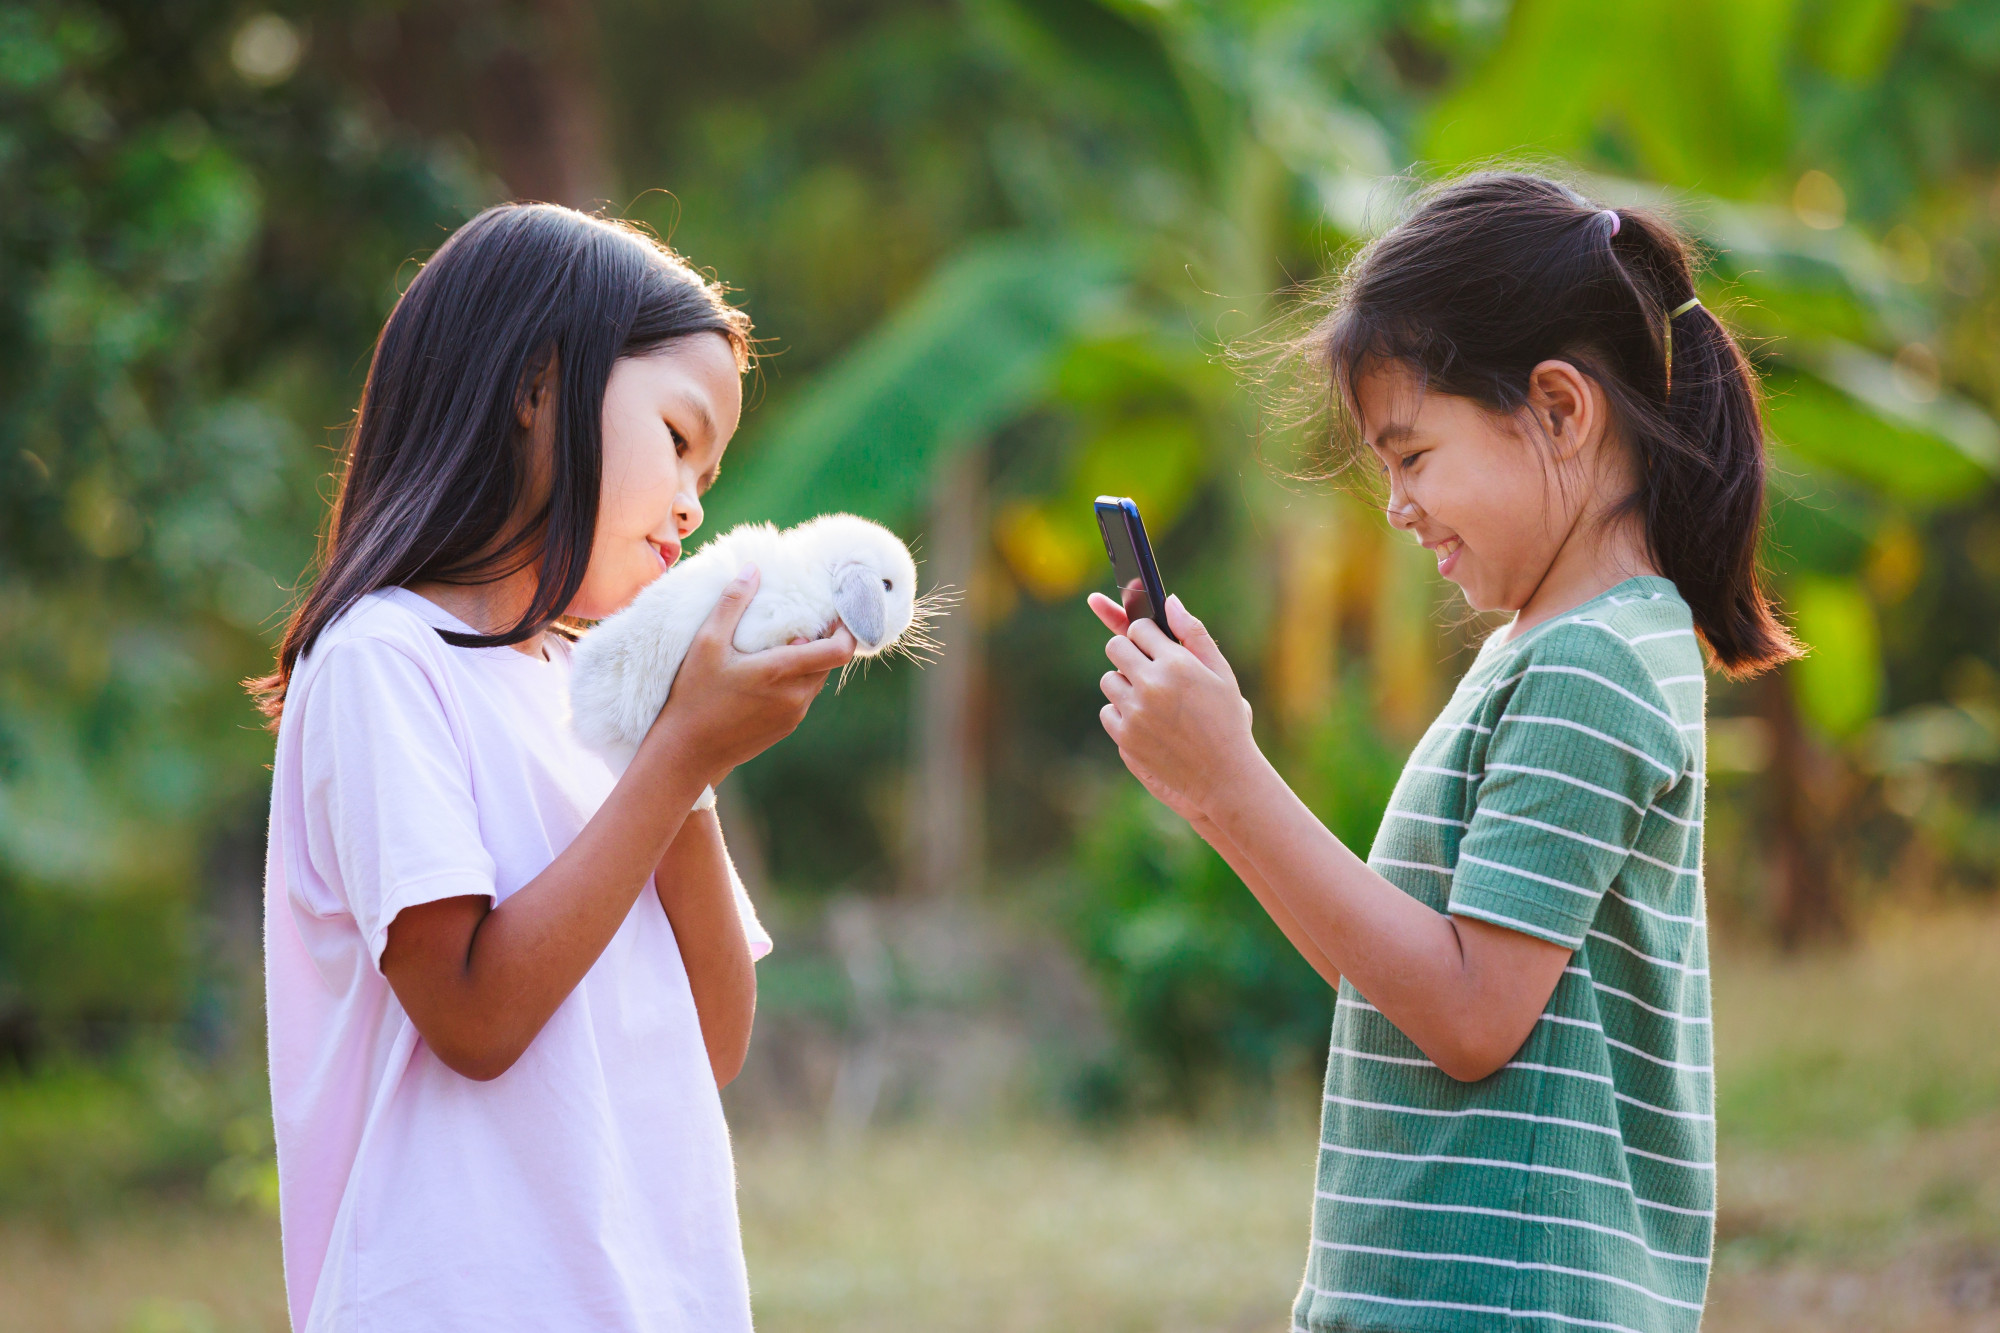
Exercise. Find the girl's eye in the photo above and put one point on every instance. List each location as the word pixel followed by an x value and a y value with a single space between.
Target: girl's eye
pixel 680 441
pixel 1408 459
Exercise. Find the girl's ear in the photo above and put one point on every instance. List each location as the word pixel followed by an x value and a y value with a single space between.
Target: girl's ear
pixel 537 394
pixel 1568 404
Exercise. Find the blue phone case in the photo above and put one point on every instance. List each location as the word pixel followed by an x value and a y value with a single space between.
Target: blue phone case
pixel 1124 534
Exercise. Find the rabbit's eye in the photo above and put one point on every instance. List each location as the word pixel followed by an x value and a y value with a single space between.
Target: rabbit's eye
pixel 886 585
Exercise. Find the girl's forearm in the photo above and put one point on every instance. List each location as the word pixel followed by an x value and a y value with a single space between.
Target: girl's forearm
pixel 1458 1005
pixel 479 982
pixel 1273 905
pixel 695 889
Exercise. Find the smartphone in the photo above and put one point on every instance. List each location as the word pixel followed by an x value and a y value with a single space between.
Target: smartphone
pixel 1139 587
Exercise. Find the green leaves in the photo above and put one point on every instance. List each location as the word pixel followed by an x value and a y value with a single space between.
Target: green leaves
pixel 1839 682
pixel 1901 460
pixel 1694 92
pixel 1853 40
pixel 975 347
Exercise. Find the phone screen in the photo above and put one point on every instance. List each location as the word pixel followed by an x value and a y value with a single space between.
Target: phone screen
pixel 1125 568
pixel 1124 539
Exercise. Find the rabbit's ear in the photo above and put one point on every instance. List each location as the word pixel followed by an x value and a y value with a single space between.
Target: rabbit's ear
pixel 857 595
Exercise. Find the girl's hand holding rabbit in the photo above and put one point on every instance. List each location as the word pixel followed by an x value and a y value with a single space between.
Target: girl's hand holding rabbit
pixel 727 706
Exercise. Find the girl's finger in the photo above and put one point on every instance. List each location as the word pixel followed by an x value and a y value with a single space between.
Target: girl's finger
pixel 1127 657
pixel 1108 611
pixel 734 602
pixel 1194 636
pixel 1116 688
pixel 1114 725
pixel 815 658
pixel 1151 638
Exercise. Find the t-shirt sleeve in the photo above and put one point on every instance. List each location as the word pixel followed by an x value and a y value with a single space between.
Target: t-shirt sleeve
pixel 388 789
pixel 753 929
pixel 1579 752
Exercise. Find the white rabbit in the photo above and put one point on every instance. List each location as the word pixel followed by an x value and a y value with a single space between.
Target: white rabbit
pixel 833 568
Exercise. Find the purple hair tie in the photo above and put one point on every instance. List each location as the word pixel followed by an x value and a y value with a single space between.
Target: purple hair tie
pixel 1612 213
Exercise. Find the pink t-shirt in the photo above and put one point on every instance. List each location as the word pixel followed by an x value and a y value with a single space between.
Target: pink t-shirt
pixel 589 1186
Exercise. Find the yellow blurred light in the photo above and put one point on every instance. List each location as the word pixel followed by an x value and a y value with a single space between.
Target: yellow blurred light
pixel 266 50
pixel 1819 201
pixel 1051 561
pixel 1895 562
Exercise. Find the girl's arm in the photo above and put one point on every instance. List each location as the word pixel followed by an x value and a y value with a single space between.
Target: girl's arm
pixel 694 886
pixel 1466 992
pixel 1115 619
pixel 479 981
pixel 1268 897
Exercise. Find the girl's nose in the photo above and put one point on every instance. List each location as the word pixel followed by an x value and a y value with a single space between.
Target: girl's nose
pixel 687 512
pixel 1403 511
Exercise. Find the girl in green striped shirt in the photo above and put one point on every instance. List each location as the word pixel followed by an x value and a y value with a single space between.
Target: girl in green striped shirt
pixel 1519 1129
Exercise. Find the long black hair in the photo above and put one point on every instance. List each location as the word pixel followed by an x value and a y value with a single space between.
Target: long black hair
pixel 437 469
pixel 1494 273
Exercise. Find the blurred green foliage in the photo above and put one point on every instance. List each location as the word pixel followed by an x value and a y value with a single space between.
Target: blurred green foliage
pixel 190 269
pixel 1205 988
pixel 78 1136
pixel 1022 227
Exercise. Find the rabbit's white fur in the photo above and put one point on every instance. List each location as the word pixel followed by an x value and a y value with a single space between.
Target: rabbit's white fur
pixel 835 567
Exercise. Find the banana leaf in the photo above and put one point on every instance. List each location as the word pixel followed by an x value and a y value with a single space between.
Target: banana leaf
pixel 974 348
pixel 1897 455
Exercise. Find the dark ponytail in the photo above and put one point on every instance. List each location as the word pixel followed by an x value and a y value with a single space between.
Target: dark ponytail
pixel 436 476
pixel 1497 272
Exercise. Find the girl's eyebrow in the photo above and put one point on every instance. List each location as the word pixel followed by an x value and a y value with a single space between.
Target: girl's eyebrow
pixel 1393 431
pixel 699 411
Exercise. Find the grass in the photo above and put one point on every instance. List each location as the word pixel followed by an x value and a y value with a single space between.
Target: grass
pixel 1160 1229
pixel 1861 1179
pixel 1876 1042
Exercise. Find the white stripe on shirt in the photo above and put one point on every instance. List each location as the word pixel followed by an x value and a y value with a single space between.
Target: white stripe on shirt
pixel 1658 962
pixel 1516 1264
pixel 1670 770
pixel 1461 1305
pixel 1532 1168
pixel 1545 1219
pixel 1551 668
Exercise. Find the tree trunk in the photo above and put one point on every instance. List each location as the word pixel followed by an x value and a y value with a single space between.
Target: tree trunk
pixel 1805 896
pixel 541 117
pixel 519 76
pixel 947 827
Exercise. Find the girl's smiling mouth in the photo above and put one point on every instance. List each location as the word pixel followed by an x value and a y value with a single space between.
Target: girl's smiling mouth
pixel 1446 552
pixel 667 553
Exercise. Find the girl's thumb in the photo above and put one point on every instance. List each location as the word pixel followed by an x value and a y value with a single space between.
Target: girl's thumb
pixel 1194 636
pixel 735 599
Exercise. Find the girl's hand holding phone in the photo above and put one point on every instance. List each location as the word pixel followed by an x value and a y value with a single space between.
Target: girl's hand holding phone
pixel 728 706
pixel 1179 718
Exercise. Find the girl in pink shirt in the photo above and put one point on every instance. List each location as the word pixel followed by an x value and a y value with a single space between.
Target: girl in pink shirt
pixel 505 987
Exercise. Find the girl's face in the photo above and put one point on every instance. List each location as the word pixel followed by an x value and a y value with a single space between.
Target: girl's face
pixel 668 415
pixel 1476 488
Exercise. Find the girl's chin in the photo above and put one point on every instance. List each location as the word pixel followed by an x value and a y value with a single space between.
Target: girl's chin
pixel 595 601
pixel 1477 596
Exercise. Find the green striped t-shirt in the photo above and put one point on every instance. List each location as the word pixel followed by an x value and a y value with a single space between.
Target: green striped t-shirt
pixel 1559 794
